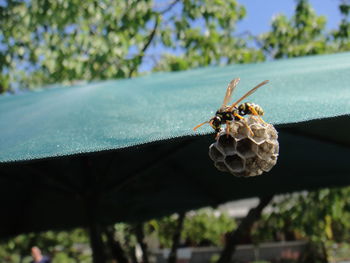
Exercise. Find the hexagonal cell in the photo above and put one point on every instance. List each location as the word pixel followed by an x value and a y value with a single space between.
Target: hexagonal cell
pixel 241 130
pixel 227 143
pixel 274 157
pixel 265 165
pixel 272 133
pixel 272 163
pixel 215 154
pixel 252 120
pixel 258 130
pixel 255 148
pixel 255 173
pixel 234 163
pixel 265 150
pixel 234 126
pixel 242 154
pixel 221 166
pixel 259 133
pixel 251 165
pixel 245 147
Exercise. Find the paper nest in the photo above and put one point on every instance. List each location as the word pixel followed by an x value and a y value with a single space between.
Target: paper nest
pixel 244 154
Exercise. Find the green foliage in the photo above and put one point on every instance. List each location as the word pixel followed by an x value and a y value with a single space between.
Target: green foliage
pixel 204 30
pixel 45 42
pixel 342 34
pixel 206 228
pixel 61 246
pixel 321 217
pixel 202 228
pixel 318 216
pixel 64 41
pixel 164 229
pixel 303 34
pixel 125 235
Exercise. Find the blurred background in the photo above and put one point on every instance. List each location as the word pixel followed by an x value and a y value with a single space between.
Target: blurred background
pixel 46 42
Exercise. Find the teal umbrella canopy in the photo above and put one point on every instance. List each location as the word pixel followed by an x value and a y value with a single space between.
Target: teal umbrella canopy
pixel 128 146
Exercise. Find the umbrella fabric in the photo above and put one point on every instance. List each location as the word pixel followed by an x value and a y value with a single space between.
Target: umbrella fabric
pixel 128 148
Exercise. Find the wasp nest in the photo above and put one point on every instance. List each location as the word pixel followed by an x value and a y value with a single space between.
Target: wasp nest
pixel 243 152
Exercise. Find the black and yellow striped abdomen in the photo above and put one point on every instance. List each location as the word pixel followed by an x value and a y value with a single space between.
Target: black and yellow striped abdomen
pixel 246 108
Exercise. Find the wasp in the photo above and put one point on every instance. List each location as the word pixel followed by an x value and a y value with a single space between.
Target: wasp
pixel 228 113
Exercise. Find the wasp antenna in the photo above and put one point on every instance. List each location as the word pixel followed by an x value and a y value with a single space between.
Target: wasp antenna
pixel 199 125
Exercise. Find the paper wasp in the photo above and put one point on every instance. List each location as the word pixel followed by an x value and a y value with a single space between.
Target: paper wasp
pixel 227 113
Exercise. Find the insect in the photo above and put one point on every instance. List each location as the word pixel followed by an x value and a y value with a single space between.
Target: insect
pixel 248 108
pixel 227 113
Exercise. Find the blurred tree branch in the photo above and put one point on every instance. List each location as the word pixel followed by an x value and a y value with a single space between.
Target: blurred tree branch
pixel 114 245
pixel 171 5
pixel 140 57
pixel 140 235
pixel 244 229
pixel 176 238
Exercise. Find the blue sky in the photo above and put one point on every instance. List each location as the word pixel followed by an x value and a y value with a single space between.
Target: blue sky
pixel 259 16
pixel 260 13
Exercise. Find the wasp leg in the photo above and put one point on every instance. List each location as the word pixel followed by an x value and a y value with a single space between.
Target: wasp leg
pixel 227 128
pixel 245 123
pixel 253 111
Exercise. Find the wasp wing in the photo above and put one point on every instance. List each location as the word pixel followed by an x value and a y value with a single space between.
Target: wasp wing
pixel 230 88
pixel 247 95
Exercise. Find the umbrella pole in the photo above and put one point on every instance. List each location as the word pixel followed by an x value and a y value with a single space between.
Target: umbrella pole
pixel 95 234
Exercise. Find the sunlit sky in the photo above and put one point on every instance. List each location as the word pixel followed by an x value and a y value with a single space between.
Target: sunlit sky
pixel 260 13
pixel 259 16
